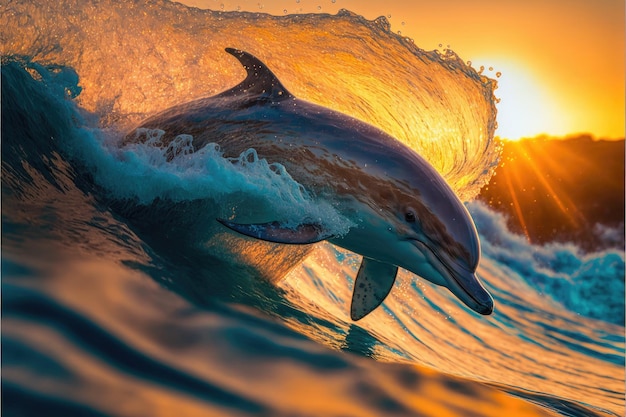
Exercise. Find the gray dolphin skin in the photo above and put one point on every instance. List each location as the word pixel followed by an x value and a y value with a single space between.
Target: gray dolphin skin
pixel 404 213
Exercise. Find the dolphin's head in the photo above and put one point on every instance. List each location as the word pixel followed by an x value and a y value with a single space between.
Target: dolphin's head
pixel 440 243
pixel 450 251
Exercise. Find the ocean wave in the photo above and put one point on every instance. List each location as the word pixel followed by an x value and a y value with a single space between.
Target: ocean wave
pixel 167 54
pixel 82 268
pixel 589 284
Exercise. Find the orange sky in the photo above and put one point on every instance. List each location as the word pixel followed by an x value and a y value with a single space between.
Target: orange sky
pixel 562 61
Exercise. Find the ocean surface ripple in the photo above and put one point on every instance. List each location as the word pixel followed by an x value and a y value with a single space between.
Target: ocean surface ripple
pixel 115 303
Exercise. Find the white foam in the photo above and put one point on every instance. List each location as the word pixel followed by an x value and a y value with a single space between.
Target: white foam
pixel 177 172
pixel 591 284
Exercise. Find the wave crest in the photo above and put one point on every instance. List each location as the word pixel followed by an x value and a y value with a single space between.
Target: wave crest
pixel 590 284
pixel 151 57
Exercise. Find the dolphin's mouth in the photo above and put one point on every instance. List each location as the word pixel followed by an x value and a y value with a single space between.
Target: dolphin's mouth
pixel 460 280
pixel 471 286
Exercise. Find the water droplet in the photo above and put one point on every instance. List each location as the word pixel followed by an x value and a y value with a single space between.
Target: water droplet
pixel 319 7
pixel 297 1
pixel 498 74
pixel 388 16
pixel 285 11
pixel 222 6
pixel 238 8
pixel 440 45
pixel 333 1
pixel 448 46
pixel 260 5
pixel 402 23
pixel 490 68
pixel 399 32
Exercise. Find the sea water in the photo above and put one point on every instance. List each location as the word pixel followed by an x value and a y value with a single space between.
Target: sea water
pixel 119 296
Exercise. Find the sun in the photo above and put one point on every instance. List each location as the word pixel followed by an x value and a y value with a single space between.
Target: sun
pixel 526 107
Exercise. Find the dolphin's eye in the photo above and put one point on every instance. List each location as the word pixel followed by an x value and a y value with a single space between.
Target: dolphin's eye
pixel 409 216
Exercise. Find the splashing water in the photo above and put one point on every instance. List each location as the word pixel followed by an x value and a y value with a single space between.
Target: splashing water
pixel 84 331
pixel 436 103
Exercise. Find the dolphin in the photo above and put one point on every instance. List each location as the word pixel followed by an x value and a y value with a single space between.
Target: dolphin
pixel 405 214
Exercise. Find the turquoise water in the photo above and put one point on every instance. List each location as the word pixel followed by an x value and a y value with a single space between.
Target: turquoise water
pixel 120 298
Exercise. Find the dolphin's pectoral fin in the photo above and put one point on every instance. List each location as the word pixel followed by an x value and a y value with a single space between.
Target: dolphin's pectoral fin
pixel 260 81
pixel 371 286
pixel 278 233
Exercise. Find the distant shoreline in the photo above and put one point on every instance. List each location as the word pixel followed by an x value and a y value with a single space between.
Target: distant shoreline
pixel 562 189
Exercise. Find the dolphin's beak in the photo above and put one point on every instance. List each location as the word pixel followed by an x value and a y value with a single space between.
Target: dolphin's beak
pixel 462 282
pixel 466 286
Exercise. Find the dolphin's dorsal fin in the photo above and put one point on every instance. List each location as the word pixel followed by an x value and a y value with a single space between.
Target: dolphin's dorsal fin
pixel 260 81
pixel 276 232
pixel 371 286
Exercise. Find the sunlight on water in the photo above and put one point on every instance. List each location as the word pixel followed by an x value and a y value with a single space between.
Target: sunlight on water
pixel 436 103
pixel 114 305
pixel 520 346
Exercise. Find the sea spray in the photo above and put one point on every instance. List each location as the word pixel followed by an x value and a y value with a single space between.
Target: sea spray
pixel 90 331
pixel 590 284
pixel 168 54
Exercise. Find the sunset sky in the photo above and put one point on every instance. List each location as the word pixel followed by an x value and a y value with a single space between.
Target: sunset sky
pixel 562 61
